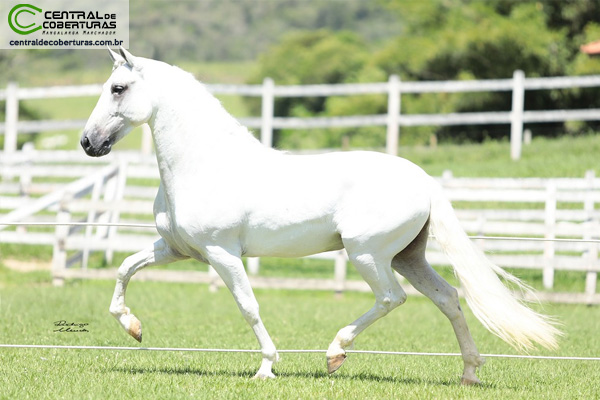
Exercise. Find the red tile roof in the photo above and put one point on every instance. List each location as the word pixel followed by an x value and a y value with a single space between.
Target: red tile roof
pixel 591 48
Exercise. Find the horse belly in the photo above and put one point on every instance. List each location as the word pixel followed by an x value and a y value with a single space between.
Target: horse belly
pixel 291 241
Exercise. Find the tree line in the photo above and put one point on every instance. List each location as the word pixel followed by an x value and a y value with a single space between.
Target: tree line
pixel 441 40
pixel 337 41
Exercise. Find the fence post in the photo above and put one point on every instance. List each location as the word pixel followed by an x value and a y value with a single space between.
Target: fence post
pixel 253 265
pixel 266 129
pixel 516 116
pixel 25 178
pixel 59 253
pixel 213 287
pixel 120 182
pixel 110 188
pixel 91 217
pixel 393 117
pixel 146 140
pixel 550 221
pixel 481 221
pixel 339 274
pixel 592 251
pixel 12 118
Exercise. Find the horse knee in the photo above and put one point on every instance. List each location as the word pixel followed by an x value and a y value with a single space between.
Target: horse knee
pixel 250 311
pixel 123 272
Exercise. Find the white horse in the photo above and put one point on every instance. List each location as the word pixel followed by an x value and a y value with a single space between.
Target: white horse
pixel 223 196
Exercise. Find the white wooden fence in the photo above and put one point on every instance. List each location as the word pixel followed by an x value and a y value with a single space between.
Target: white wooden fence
pixel 562 208
pixel 393 120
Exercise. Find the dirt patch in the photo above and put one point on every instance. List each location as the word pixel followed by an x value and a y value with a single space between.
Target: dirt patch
pixel 27 266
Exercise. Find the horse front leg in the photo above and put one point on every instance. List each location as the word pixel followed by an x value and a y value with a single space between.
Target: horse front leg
pixel 231 269
pixel 159 254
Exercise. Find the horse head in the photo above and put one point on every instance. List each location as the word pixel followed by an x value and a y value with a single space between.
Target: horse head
pixel 125 103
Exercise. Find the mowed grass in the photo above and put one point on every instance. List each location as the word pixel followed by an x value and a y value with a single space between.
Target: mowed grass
pixel 567 156
pixel 186 315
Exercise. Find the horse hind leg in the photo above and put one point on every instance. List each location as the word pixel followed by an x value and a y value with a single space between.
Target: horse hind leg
pixel 411 263
pixel 388 295
pixel 158 254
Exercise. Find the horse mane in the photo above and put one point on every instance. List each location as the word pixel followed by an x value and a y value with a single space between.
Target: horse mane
pixel 197 94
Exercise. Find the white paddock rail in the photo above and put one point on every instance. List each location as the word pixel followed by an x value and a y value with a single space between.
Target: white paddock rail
pixel 560 215
pixel 392 120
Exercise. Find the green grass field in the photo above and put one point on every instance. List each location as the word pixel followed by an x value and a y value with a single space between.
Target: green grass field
pixel 180 315
pixel 185 315
pixel 568 156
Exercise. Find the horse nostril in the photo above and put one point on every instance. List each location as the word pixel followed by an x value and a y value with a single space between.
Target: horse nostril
pixel 106 143
pixel 85 142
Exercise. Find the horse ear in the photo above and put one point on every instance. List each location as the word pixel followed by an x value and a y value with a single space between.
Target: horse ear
pixel 114 56
pixel 129 59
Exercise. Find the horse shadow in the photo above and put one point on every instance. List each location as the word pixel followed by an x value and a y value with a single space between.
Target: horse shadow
pixel 249 373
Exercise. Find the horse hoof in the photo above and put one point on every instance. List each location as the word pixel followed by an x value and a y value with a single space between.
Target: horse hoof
pixel 135 329
pixel 334 363
pixel 264 376
pixel 470 381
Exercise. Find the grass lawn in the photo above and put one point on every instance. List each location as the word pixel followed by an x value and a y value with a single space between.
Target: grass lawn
pixel 562 157
pixel 184 315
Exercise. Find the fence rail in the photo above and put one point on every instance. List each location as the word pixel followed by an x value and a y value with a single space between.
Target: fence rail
pixel 549 209
pixel 392 120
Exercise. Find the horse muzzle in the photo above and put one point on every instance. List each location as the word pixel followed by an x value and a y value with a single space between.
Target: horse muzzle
pixel 95 150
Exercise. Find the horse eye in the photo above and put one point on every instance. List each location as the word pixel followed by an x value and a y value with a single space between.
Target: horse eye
pixel 117 89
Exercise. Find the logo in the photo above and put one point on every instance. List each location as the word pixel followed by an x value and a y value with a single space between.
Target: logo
pixel 64 24
pixel 15 15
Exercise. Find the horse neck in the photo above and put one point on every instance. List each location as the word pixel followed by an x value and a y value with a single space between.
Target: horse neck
pixel 191 127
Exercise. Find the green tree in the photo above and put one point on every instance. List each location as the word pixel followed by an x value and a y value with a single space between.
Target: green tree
pixel 478 42
pixel 448 40
pixel 471 39
pixel 309 57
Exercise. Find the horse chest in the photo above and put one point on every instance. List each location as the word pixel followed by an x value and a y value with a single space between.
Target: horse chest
pixel 188 222
pixel 163 220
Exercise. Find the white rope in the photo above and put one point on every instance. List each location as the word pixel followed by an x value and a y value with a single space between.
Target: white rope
pixel 526 357
pixel 117 224
pixel 534 239
pixel 393 353
pixel 140 225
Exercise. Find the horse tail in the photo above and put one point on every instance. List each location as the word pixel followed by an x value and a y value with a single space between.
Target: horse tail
pixel 494 305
